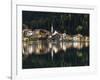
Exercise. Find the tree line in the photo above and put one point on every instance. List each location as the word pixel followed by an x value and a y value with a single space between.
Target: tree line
pixel 70 23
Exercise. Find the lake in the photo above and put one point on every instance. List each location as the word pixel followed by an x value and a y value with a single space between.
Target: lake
pixel 47 54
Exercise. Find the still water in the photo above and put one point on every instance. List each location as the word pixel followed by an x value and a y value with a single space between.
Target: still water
pixel 46 54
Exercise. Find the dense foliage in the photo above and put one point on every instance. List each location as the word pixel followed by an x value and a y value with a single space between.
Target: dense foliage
pixel 70 23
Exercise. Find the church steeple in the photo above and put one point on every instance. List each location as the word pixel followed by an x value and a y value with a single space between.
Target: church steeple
pixel 52 28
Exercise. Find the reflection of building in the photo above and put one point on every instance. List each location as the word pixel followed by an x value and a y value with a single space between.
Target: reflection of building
pixel 78 45
pixel 42 47
pixel 37 47
pixel 65 45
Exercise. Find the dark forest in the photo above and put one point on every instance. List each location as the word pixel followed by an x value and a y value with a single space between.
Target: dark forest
pixel 70 23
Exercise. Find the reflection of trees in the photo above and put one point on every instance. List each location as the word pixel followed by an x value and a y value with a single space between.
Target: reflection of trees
pixel 73 57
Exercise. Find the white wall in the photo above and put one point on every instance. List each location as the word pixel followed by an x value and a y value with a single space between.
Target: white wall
pixel 5 37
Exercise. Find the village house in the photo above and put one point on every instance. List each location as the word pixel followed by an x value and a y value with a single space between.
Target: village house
pixel 77 37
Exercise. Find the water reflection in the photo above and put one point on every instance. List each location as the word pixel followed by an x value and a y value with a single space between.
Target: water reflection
pixel 42 53
pixel 42 47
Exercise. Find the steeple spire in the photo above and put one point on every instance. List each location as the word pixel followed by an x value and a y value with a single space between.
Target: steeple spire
pixel 52 28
